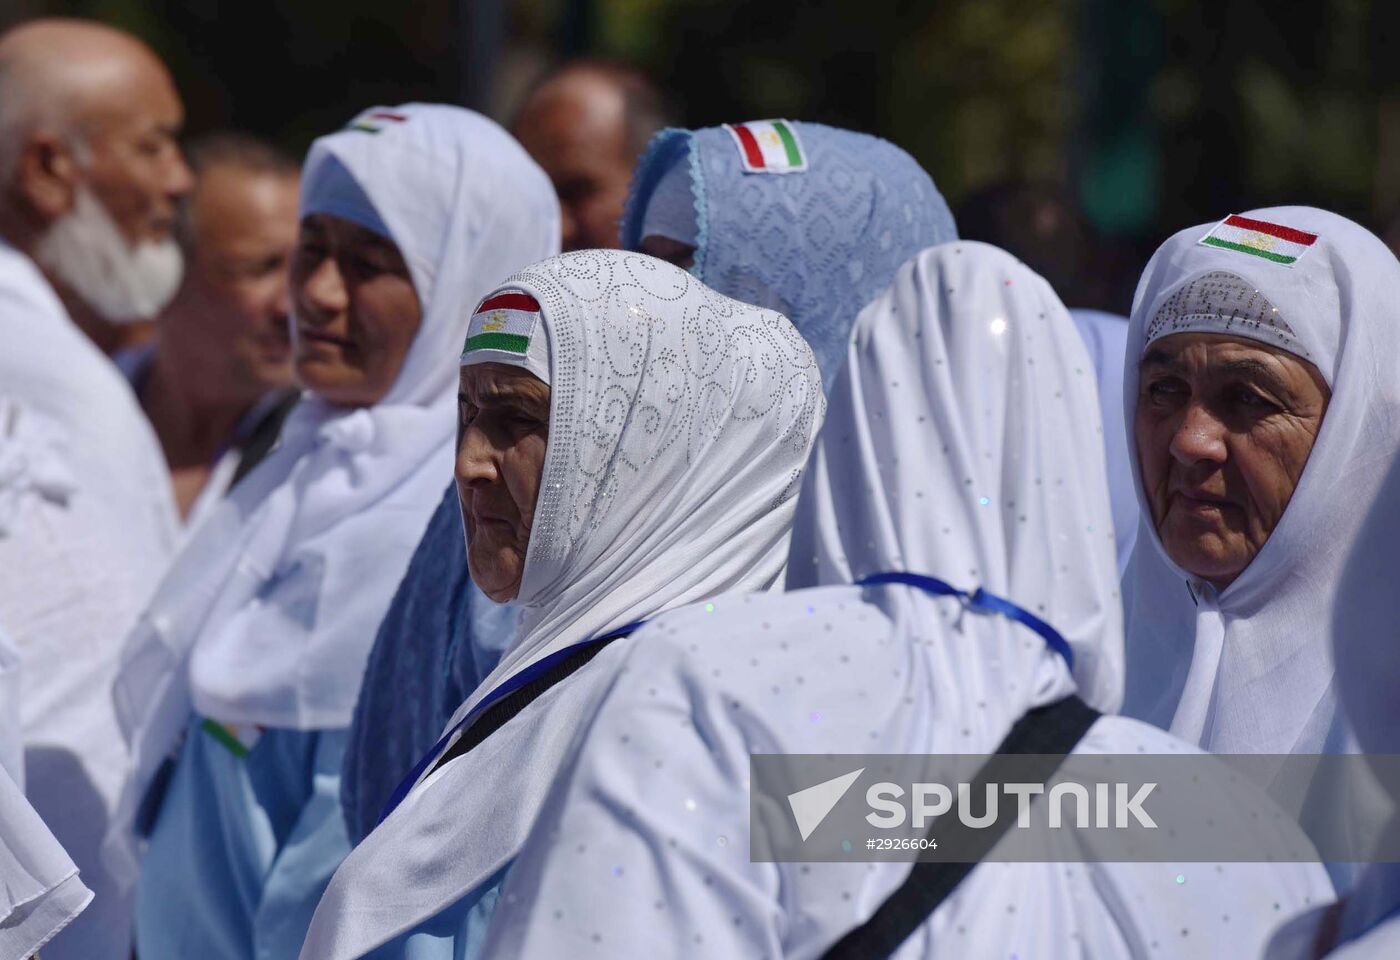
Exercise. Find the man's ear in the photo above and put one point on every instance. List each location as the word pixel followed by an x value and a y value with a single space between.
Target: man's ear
pixel 46 177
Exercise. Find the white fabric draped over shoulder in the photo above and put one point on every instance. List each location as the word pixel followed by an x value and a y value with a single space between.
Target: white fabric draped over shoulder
pixel 87 528
pixel 1249 669
pixel 1366 650
pixel 960 445
pixel 40 892
pixel 679 423
pixel 269 613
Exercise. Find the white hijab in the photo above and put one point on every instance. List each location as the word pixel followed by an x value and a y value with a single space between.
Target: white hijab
pixel 1016 483
pixel 1249 669
pixel 961 442
pixel 679 422
pixel 269 613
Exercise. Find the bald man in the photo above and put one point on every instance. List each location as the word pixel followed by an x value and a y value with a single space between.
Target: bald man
pixel 89 173
pixel 586 124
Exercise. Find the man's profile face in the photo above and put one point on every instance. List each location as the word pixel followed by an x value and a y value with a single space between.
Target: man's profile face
pixel 576 130
pixel 133 163
pixel 242 231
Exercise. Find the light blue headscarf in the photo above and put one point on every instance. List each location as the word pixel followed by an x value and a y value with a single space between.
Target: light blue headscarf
pixel 816 245
pixel 1106 337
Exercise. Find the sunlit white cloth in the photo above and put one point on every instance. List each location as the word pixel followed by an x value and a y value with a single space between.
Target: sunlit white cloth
pixel 679 420
pixel 87 528
pixel 643 847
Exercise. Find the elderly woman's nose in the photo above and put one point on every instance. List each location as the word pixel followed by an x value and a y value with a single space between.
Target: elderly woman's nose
pixel 476 461
pixel 1199 435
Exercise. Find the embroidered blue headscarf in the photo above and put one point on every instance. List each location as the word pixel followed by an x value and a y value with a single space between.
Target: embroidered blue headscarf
pixel 816 244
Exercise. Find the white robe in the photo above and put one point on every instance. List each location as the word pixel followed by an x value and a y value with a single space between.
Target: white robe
pixel 962 443
pixel 87 526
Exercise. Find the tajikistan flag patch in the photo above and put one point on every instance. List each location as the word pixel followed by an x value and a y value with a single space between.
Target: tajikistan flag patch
pixel 768 146
pixel 374 121
pixel 505 322
pixel 1260 238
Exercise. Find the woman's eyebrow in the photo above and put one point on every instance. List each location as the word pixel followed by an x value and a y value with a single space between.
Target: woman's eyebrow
pixel 1255 369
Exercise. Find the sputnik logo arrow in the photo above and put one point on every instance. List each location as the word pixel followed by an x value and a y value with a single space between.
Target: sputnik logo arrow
pixel 810 806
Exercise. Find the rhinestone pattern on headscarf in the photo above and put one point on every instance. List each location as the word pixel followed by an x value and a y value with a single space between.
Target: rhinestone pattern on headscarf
pixel 1220 302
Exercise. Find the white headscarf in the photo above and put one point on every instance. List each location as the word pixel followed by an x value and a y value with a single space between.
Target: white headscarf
pixel 679 422
pixel 961 443
pixel 1017 483
pixel 1249 669
pixel 270 610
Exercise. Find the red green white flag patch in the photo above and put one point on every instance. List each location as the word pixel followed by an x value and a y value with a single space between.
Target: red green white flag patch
pixel 768 146
pixel 1260 238
pixel 506 322
pixel 373 121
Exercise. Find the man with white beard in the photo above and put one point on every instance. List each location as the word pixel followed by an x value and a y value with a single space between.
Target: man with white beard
pixel 90 175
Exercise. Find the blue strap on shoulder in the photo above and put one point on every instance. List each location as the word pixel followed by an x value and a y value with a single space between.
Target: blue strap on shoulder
pixel 535 670
pixel 978 601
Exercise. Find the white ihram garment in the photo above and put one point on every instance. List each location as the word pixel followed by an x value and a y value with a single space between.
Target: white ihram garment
pixel 961 444
pixel 87 528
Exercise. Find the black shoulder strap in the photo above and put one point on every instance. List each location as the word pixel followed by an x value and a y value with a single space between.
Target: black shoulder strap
pixel 508 707
pixel 1051 732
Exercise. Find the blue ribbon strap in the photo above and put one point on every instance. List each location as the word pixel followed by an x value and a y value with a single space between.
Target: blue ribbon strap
pixel 537 669
pixel 979 601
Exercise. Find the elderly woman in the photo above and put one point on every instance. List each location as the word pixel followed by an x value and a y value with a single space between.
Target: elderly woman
pixel 646 849
pixel 815 242
pixel 629 442
pixel 1259 387
pixel 261 631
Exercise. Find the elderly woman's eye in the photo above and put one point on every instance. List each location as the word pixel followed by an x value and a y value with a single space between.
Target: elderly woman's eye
pixel 1166 389
pixel 1252 399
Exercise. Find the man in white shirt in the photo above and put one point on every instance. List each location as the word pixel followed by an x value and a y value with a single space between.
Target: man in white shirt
pixel 90 175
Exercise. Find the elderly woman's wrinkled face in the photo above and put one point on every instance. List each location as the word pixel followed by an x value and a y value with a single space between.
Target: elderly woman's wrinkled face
pixel 1224 427
pixel 502 431
pixel 356 311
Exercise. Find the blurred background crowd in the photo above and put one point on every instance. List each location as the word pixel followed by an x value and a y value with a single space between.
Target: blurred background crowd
pixel 1104 125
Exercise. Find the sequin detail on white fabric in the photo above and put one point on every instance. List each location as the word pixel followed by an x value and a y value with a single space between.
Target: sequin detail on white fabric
pixel 1220 302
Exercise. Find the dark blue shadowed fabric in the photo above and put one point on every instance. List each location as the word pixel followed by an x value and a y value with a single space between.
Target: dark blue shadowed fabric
pixel 440 638
pixel 817 245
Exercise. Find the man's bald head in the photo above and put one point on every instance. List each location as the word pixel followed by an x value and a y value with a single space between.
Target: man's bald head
pixel 65 76
pixel 89 120
pixel 586 124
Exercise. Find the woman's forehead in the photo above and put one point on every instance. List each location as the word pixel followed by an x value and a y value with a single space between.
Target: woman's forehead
pixel 488 381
